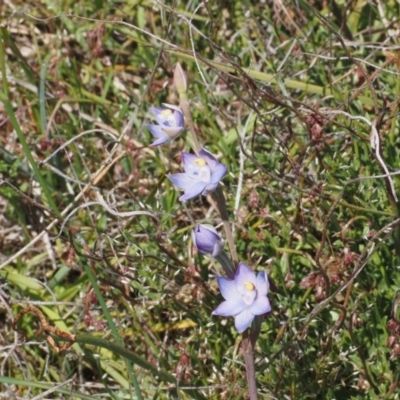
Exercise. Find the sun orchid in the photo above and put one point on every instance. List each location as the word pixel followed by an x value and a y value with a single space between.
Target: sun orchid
pixel 207 240
pixel 245 296
pixel 171 123
pixel 202 174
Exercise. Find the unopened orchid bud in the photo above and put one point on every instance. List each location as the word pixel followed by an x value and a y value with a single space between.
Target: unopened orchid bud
pixel 207 240
pixel 180 79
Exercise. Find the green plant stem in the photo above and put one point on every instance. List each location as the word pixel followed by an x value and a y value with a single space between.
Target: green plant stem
pixel 42 94
pixel 396 232
pixel 3 64
pixel 184 104
pixel 248 353
pixel 226 264
pixel 221 204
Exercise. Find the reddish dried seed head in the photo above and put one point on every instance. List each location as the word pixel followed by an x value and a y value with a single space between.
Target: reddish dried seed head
pixel 184 361
pixel 391 341
pixel 289 282
pixel 392 325
pixel 314 119
pixel 316 133
pixel 309 281
pixel 87 319
pixel 93 298
pixel 254 199
pixel 395 350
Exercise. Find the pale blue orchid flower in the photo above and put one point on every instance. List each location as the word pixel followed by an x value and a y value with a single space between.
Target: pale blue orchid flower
pixel 245 296
pixel 202 174
pixel 171 123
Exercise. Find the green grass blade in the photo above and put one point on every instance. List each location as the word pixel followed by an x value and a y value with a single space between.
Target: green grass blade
pixel 46 386
pixel 111 324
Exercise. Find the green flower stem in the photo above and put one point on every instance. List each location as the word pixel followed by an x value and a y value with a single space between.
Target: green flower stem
pixel 226 263
pixel 184 104
pixel 248 351
pixel 221 204
pixel 3 64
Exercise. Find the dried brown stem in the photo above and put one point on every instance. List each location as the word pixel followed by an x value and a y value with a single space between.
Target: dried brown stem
pixel 46 329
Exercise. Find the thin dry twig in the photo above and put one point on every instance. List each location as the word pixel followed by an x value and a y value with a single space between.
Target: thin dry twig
pixel 46 329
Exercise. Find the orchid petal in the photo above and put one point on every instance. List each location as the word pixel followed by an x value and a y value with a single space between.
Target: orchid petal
pixel 218 173
pixel 172 133
pixel 156 131
pixel 243 320
pixel 209 228
pixel 227 288
pixel 188 160
pixel 157 110
pixel 230 308
pixel 179 119
pixel 210 159
pixel 172 107
pixel 207 240
pixel 244 274
pixel 209 189
pixel 160 141
pixel 260 306
pixel 218 247
pixel 193 191
pixel 181 180
pixel 169 116
pixel 159 115
pixel 262 283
